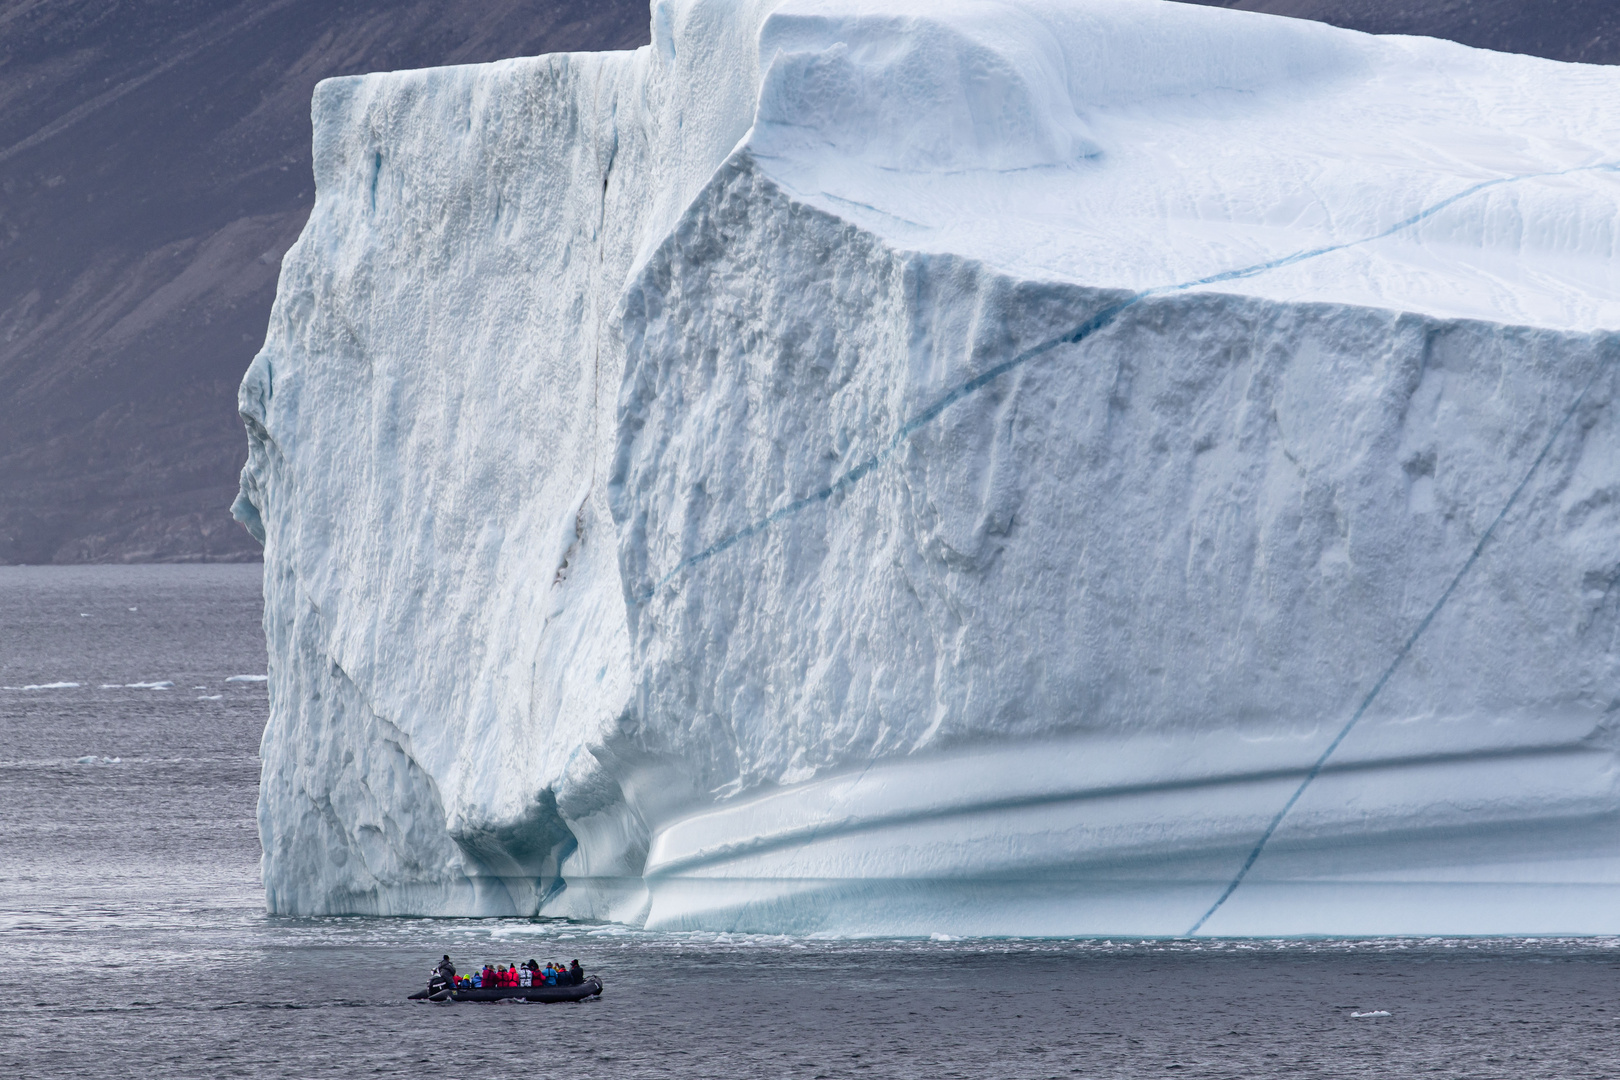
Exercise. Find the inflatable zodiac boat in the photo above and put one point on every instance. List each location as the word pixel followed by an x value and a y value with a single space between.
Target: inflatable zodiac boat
pixel 591 987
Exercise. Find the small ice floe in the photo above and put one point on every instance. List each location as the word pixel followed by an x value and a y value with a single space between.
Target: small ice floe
pixel 44 686
pixel 134 609
pixel 84 614
pixel 1370 1015
pixel 160 684
pixel 210 697
pixel 942 937
pixel 91 759
pixel 248 678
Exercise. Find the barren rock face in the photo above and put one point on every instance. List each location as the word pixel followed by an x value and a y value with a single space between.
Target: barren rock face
pixel 1572 30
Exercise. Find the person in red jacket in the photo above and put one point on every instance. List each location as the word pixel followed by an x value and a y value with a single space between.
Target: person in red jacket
pixel 489 976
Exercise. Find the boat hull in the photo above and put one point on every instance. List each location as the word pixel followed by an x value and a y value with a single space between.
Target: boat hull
pixel 591 987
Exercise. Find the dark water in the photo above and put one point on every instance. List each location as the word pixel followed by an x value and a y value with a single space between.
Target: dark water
pixel 131 926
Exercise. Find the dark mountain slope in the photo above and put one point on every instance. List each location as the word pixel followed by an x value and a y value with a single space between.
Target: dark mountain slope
pixel 1582 31
pixel 154 165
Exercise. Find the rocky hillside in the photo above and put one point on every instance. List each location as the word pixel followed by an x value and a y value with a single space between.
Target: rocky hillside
pixel 1583 31
pixel 154 165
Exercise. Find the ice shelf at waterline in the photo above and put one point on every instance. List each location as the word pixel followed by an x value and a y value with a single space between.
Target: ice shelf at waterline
pixel 894 467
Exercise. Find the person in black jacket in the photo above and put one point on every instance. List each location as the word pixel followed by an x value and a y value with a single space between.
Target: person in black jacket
pixel 576 974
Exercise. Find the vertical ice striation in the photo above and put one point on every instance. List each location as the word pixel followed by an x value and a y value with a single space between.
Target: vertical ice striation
pixel 901 467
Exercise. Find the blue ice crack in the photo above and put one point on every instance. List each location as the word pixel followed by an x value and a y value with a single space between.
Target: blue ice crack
pixel 1098 322
pixel 1400 656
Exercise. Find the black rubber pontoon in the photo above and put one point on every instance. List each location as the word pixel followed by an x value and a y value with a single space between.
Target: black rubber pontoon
pixel 591 987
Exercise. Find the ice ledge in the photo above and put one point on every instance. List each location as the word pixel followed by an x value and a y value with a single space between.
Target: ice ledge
pixel 1120 144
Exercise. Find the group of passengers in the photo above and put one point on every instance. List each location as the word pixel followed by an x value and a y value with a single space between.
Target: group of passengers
pixel 503 975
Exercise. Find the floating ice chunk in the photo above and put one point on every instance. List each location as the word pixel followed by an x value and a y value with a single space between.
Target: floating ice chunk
pixel 967 531
pixel 1369 1015
pixel 248 678
pixel 44 686
pixel 161 684
pixel 88 759
pixel 211 697
pixel 134 609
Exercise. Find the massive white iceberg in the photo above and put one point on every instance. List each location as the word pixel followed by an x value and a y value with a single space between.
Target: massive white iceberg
pixel 1026 467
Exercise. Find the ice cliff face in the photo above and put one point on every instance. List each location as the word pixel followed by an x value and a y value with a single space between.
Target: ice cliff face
pixel 951 467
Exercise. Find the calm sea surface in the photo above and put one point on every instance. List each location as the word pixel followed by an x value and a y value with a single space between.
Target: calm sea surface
pixel 132 929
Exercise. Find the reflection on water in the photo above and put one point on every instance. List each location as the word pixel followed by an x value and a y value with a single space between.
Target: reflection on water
pixel 130 907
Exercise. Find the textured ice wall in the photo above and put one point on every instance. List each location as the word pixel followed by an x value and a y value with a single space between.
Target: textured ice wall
pixel 681 505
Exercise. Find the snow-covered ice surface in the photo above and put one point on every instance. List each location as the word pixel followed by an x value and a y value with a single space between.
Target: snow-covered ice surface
pixel 951 468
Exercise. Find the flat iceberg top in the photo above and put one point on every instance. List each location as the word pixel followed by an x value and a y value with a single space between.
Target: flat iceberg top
pixel 1146 145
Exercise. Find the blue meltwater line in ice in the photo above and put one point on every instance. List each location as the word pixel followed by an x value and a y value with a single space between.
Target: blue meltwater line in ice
pixel 1400 656
pixel 1100 321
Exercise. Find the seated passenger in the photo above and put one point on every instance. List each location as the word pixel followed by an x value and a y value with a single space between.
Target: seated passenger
pixel 489 976
pixel 524 977
pixel 576 975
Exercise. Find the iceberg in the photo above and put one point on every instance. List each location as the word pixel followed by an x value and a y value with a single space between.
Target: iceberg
pixel 959 468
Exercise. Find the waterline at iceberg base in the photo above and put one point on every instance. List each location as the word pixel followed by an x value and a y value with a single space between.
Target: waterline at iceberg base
pixel 1101 467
